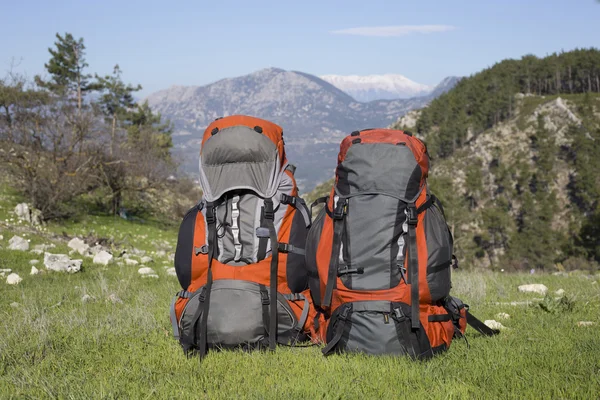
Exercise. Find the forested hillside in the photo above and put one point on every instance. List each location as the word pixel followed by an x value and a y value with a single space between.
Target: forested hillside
pixel 515 159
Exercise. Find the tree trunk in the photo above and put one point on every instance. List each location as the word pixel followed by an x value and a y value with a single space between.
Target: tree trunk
pixel 570 81
pixel 112 135
pixel 589 83
pixel 597 84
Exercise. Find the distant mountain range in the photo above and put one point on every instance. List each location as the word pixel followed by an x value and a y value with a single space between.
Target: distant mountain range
pixel 314 114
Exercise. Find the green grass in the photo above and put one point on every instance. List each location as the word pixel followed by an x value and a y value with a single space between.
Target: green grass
pixel 52 345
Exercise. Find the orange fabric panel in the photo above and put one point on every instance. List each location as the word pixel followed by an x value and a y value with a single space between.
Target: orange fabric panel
pixel 438 332
pixel 179 306
pixel 424 293
pixel 269 129
pixel 200 261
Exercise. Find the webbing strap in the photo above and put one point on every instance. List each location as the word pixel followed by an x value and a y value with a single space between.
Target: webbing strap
pixel 413 263
pixel 339 329
pixel 480 326
pixel 320 200
pixel 269 216
pixel 235 228
pixel 305 309
pixel 338 227
pixel 262 238
pixel 264 296
pixel 439 318
pixel 173 317
pixel 299 204
pixel 211 220
pixel 290 248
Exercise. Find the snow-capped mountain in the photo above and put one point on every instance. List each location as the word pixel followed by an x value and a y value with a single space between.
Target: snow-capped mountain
pixel 376 87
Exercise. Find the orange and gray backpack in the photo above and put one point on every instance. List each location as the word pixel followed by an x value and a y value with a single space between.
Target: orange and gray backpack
pixel 379 253
pixel 240 251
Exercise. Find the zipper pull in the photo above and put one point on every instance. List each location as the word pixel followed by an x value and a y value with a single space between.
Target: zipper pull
pixel 386 318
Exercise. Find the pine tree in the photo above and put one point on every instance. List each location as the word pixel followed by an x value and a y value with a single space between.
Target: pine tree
pixel 66 68
pixel 116 100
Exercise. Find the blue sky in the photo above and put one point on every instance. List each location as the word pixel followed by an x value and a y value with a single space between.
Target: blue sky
pixel 160 43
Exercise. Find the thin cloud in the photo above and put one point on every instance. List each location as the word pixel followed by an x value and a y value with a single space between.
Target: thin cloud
pixel 392 31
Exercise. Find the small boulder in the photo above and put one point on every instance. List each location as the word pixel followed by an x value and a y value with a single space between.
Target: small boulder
pixel 103 258
pixel 146 260
pixel 44 247
pixel 37 251
pixel 160 253
pixel 86 298
pixel 14 304
pixel 34 271
pixel 13 279
pixel 585 323
pixel 1 237
pixel 5 271
pixel 34 262
pixel 534 288
pixel 131 261
pixel 61 263
pixel 18 243
pixel 502 315
pixel 493 324
pixel 171 272
pixel 114 299
pixel 78 245
pixel 150 276
pixel 22 211
pixel 560 292
pixel 146 271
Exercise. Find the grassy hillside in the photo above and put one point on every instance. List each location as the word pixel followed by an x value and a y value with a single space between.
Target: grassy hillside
pixel 118 344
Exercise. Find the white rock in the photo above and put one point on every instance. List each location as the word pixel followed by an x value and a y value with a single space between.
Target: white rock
pixel 560 292
pixel 13 279
pixel 114 299
pixel 131 261
pixel 34 262
pixel 171 272
pixel 44 247
pixel 146 260
pixel 161 253
pixel 18 243
pixel 78 245
pixel 37 251
pixel 34 271
pixel 61 263
pixel 14 304
pixel 86 298
pixel 502 315
pixel 493 324
pixel 150 276
pixel 534 288
pixel 5 270
pixel 585 323
pixel 92 251
pixel 146 271
pixel 22 211
pixel 102 257
pixel 1 237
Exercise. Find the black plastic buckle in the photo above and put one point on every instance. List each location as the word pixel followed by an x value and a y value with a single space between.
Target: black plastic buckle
pixel 286 199
pixel 268 212
pixel 210 214
pixel 399 315
pixel 264 297
pixel 413 216
pixel 340 210
pixel 202 295
pixel 285 247
pixel 344 314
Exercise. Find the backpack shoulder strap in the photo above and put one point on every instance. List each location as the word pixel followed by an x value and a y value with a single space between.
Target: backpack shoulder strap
pixel 338 226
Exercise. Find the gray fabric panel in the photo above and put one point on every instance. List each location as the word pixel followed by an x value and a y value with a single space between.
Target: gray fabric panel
pixel 369 333
pixel 238 158
pixel 235 314
pixel 247 206
pixel 439 252
pixel 371 236
pixel 379 168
